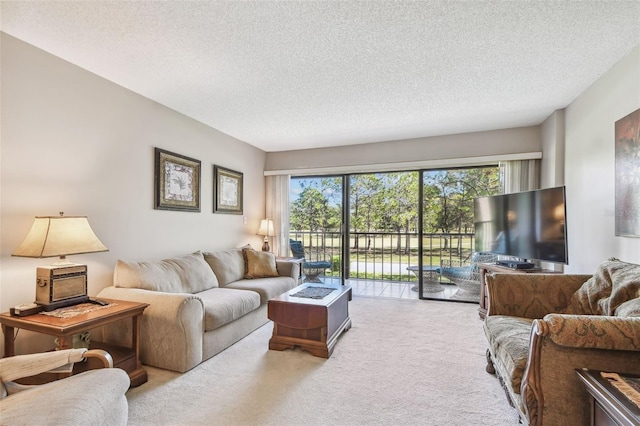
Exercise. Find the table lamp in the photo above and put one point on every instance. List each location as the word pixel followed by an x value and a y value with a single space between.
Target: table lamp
pixel 266 229
pixel 63 283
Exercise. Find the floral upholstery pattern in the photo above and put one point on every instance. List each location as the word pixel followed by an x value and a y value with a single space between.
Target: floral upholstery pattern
pixel 531 295
pixel 510 338
pixel 590 331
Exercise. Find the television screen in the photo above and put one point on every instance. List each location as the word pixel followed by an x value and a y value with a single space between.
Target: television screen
pixel 528 225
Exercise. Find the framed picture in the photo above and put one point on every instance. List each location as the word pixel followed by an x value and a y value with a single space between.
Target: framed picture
pixel 227 191
pixel 627 211
pixel 177 182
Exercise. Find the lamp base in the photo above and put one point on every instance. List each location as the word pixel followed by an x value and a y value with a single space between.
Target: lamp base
pixel 265 246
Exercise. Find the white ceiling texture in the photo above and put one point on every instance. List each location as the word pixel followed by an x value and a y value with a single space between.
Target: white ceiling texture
pixel 285 75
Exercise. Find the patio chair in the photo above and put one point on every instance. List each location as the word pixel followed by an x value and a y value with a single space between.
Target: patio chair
pixel 311 269
pixel 465 273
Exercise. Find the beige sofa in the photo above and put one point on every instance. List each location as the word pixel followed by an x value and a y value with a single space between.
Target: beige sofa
pixel 199 304
pixel 541 327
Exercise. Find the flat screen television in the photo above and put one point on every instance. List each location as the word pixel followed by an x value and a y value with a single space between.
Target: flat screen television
pixel 525 225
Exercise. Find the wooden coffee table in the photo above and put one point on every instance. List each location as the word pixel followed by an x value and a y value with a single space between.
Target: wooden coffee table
pixel 311 324
pixel 63 329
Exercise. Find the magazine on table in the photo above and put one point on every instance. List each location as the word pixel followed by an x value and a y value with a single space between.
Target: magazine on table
pixel 629 386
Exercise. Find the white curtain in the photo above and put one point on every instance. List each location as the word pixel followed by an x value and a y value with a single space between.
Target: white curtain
pixel 519 175
pixel 277 205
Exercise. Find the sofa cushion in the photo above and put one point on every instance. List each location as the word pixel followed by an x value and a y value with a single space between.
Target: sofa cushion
pixel 259 264
pixel 509 344
pixel 186 274
pixel 267 288
pixel 614 283
pixel 228 265
pixel 224 305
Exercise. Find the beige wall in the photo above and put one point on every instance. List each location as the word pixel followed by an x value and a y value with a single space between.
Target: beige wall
pixel 553 145
pixel 432 149
pixel 590 166
pixel 74 142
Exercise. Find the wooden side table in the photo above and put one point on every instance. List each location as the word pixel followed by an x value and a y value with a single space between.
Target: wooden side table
pixel 609 407
pixel 127 358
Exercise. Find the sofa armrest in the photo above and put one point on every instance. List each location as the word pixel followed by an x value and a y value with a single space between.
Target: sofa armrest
pixel 551 391
pixel 592 331
pixel 531 295
pixel 287 268
pixel 171 329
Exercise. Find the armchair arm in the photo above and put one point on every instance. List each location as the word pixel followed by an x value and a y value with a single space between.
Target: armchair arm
pixel 592 331
pixel 550 384
pixel 531 295
pixel 171 329
pixel 17 367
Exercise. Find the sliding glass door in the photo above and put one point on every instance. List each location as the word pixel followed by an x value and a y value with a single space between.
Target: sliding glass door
pixel 391 232
pixel 316 222
pixel 383 233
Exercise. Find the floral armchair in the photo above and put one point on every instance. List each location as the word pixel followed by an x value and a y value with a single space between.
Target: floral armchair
pixel 541 327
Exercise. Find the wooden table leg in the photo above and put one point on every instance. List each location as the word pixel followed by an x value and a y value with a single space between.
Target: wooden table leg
pixel 9 341
pixel 63 342
pixel 135 335
pixel 139 375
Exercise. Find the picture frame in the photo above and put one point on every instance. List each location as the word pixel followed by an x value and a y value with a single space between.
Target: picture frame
pixel 627 176
pixel 176 181
pixel 227 191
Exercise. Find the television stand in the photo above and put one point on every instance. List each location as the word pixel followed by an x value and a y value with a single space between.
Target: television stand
pixel 515 264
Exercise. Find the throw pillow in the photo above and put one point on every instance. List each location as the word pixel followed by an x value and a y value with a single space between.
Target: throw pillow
pixel 259 264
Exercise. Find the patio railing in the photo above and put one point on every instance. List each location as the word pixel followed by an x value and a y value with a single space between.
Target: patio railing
pixel 383 255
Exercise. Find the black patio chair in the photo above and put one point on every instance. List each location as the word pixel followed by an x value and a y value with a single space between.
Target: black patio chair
pixel 311 269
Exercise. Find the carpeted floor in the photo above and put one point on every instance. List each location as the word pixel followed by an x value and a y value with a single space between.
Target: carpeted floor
pixel 404 362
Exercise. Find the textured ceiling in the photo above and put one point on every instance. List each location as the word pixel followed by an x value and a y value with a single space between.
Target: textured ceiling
pixel 301 74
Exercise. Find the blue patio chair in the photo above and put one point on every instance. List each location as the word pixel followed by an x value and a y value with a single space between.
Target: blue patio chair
pixel 465 273
pixel 310 269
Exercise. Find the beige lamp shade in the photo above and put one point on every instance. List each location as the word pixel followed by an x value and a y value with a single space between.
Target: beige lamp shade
pixel 59 236
pixel 266 228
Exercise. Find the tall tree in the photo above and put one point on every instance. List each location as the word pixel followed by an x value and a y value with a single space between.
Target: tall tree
pixel 398 204
pixel 308 211
pixel 363 210
pixel 455 191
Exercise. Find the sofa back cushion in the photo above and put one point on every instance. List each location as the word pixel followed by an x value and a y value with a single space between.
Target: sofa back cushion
pixel 613 290
pixel 186 274
pixel 228 265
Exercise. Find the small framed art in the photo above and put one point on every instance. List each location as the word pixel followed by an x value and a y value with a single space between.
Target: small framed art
pixel 177 182
pixel 227 191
